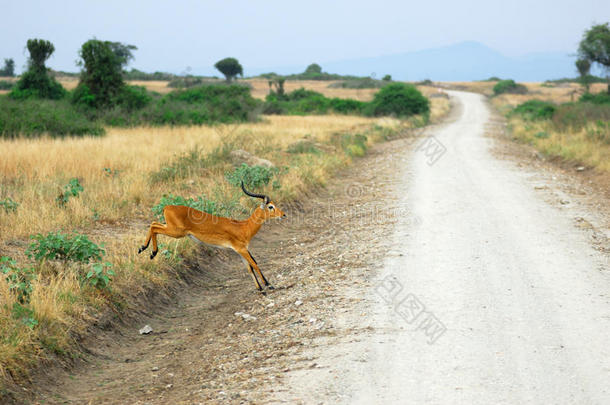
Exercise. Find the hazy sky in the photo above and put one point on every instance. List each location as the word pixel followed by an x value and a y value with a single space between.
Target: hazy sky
pixel 171 35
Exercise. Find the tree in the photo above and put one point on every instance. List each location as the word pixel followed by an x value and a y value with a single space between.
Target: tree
pixel 314 68
pixel 36 82
pixel 278 82
pixel 101 80
pixel 229 67
pixel 387 78
pixel 584 66
pixel 9 68
pixel 595 47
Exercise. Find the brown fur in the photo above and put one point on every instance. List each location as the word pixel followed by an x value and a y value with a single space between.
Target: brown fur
pixel 183 221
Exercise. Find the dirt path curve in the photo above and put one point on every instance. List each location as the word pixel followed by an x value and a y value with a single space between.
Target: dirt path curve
pixel 493 296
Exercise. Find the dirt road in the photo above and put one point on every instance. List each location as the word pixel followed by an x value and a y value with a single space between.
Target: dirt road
pixel 433 272
pixel 492 296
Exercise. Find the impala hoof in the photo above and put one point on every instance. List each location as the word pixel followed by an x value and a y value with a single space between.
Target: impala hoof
pixel 153 254
pixel 141 249
pixel 269 286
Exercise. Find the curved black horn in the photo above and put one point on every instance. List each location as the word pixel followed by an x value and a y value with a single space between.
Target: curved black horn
pixel 264 197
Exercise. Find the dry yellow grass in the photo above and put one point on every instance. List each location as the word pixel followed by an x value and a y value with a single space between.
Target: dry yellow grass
pixel 587 145
pixel 35 170
pixel 32 172
pixel 582 146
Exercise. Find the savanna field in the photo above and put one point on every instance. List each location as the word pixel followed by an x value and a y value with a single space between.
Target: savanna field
pixel 75 209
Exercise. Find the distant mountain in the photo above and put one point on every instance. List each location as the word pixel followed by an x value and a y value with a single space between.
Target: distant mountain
pixel 464 61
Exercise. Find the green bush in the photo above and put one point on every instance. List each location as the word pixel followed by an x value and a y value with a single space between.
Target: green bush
pixel 354 145
pixel 597 98
pixel 254 177
pixel 99 276
pixel 362 83
pixel 8 205
pixel 302 101
pixel 35 117
pixel 135 74
pixel 398 99
pixel 58 246
pixel 347 106
pixel 19 279
pixel 72 189
pixel 185 82
pixel 6 85
pixel 509 86
pixel 535 110
pixel 575 116
pixel 304 146
pixel 133 97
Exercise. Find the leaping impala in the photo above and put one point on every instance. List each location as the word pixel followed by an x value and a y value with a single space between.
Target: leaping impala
pixel 184 221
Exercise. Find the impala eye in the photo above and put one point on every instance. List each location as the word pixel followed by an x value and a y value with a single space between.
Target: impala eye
pixel 271 207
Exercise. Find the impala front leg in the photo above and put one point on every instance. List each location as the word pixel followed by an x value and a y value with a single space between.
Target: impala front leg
pixel 269 286
pixel 250 263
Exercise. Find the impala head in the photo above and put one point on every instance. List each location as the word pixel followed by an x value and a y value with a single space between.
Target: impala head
pixel 268 207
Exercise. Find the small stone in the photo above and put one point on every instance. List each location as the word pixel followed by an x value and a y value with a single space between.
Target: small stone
pixel 169 385
pixel 580 168
pixel 146 330
pixel 155 368
pixel 298 303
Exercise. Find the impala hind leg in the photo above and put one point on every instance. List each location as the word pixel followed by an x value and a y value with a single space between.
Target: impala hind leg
pixel 157 228
pixel 148 238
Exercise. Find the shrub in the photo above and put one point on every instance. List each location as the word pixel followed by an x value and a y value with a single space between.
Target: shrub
pixel 58 246
pixel 99 276
pixel 575 116
pixel 254 177
pixel 185 82
pixel 6 85
pixel 200 203
pixel 19 279
pixel 133 97
pixel 363 83
pixel 34 117
pixel 597 98
pixel 303 146
pixel 347 106
pixel 509 86
pixel 535 110
pixel 354 145
pixel 398 99
pixel 8 205
pixel 72 189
